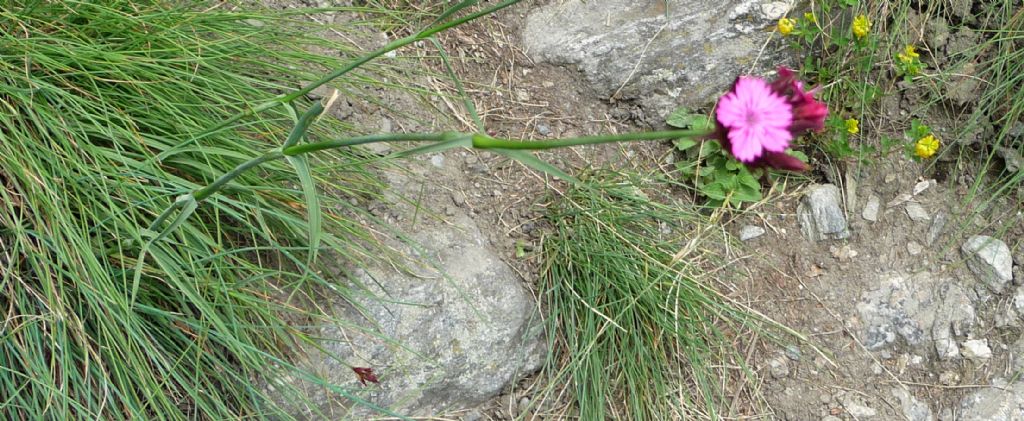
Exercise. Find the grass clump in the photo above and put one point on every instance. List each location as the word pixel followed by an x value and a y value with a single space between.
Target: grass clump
pixel 633 322
pixel 101 102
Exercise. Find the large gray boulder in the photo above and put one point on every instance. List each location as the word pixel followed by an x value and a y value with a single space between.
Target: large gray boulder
pixel 441 336
pixel 663 53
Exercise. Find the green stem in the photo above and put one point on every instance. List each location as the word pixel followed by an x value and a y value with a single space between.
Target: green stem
pixel 352 141
pixel 208 191
pixel 481 141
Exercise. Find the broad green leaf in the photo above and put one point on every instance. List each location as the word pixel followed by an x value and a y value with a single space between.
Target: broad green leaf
pixel 685 143
pixel 684 119
pixel 798 155
pixel 314 216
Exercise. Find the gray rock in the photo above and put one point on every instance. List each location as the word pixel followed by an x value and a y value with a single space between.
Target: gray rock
pixel 778 367
pixel 916 212
pixel 664 53
pixel 990 261
pixel 870 212
pixel 750 232
pixel 821 215
pixel 543 129
pixel 463 329
pixel 937 226
pixel 913 409
pixel 914 248
pixel 831 418
pixel 1000 403
pixel 920 309
pixel 856 407
pixel 976 350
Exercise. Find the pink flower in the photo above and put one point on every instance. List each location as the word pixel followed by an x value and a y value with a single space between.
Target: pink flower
pixel 756 117
pixel 757 120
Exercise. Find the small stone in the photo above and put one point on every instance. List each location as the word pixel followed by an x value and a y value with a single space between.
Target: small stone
pixel 922 186
pixel 946 348
pixel 820 214
pixel 793 352
pixel 1017 356
pixel 899 200
pixel 857 408
pixel 913 409
pixel 870 212
pixel 990 261
pixel 778 367
pixel 378 148
pixel 976 350
pixel 831 418
pixel 916 212
pixel 938 224
pixel 949 378
pixel 437 161
pixel 914 248
pixel 543 129
pixel 825 398
pixel 844 253
pixel 473 415
pixel 750 232
pixel 1018 275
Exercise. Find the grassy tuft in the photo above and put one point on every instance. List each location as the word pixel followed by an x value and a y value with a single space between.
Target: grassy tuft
pixel 637 333
pixel 94 97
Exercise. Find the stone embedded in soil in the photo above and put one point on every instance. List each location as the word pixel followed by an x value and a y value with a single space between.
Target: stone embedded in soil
pixel 914 248
pixel 664 54
pixel 870 212
pixel 916 212
pixel 1017 356
pixel 778 367
pixel 821 215
pixel 938 224
pixel 913 409
pixel 750 232
pixel 463 330
pixel 976 350
pixel 921 310
pixel 990 261
pixel 856 407
pixel 1004 402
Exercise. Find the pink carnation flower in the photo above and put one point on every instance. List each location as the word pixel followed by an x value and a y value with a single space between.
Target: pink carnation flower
pixel 757 120
pixel 756 117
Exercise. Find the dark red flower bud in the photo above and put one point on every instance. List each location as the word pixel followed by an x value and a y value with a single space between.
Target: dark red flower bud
pixel 365 374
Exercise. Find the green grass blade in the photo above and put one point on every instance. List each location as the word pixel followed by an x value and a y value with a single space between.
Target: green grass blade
pixel 530 160
pixel 314 217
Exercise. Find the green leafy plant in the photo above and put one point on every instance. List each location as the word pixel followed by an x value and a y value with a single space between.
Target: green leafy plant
pixel 716 176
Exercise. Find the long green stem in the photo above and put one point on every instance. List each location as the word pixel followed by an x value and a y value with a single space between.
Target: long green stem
pixel 208 191
pixel 480 141
pixel 486 142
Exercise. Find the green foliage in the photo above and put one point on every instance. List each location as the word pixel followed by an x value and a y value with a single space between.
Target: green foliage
pixel 717 176
pixel 107 108
pixel 628 321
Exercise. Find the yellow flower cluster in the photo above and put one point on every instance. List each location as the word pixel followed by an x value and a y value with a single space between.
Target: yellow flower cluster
pixel 852 126
pixel 786 26
pixel 908 55
pixel 926 146
pixel 861 26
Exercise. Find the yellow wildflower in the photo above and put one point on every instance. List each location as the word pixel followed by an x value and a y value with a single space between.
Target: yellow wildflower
pixel 926 146
pixel 861 26
pixel 908 55
pixel 809 16
pixel 852 126
pixel 786 25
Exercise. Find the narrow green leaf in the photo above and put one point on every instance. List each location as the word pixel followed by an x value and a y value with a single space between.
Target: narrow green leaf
pixel 315 218
pixel 463 141
pixel 451 11
pixel 466 100
pixel 188 205
pixel 538 164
